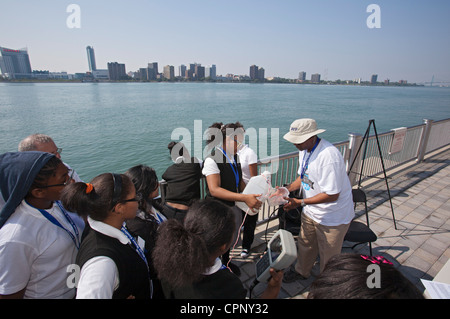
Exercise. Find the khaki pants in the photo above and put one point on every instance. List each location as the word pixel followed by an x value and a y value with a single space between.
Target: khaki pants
pixel 316 239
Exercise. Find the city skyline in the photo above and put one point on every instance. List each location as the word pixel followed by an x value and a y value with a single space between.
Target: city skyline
pixel 328 37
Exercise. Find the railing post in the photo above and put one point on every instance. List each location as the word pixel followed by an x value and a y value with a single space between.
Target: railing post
pixel 424 140
pixel 354 142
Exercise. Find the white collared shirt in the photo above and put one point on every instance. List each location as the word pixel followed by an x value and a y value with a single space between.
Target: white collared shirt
pixel 34 254
pixel 99 276
pixel 214 268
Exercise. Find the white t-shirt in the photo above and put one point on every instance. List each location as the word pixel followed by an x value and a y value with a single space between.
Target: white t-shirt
pixel 326 173
pixel 35 253
pixel 247 156
pixel 210 167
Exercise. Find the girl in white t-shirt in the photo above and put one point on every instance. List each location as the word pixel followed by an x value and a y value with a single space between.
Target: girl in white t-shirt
pixel 39 238
pixel 224 175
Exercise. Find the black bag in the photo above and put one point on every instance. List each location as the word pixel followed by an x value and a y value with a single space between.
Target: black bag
pixel 291 220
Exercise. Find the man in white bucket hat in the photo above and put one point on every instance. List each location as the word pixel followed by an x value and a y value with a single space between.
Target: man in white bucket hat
pixel 327 198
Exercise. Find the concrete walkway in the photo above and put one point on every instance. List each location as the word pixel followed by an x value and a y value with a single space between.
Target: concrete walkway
pixel 419 247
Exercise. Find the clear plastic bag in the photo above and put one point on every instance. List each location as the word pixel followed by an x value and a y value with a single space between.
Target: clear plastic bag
pixel 277 196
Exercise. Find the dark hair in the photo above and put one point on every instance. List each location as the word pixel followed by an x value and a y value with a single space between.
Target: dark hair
pixel 48 170
pixel 100 201
pixel 183 252
pixel 220 130
pixel 145 181
pixel 239 125
pixel 177 146
pixel 345 277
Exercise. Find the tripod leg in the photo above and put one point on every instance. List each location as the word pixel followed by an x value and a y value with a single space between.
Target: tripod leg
pixel 384 171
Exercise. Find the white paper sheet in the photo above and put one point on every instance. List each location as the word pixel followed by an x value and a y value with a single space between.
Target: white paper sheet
pixel 437 290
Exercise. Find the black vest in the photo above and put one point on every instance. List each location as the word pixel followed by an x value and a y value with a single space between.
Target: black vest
pixel 133 273
pixel 227 177
pixel 183 182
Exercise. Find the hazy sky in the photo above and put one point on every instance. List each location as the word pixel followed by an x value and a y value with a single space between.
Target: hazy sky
pixel 330 37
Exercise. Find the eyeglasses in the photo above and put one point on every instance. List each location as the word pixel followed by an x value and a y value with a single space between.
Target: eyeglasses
pixel 136 199
pixel 67 182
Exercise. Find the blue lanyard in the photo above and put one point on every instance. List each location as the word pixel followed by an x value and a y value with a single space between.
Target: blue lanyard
pixel 135 244
pixel 53 220
pixel 235 169
pixel 306 163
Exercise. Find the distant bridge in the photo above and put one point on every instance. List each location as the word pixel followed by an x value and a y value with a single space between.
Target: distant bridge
pixel 433 81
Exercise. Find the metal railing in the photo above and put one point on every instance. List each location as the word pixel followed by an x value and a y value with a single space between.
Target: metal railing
pixel 418 141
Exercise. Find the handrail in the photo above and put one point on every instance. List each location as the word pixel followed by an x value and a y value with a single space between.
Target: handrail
pixel 419 140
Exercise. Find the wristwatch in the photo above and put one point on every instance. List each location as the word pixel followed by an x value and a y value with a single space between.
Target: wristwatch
pixel 303 204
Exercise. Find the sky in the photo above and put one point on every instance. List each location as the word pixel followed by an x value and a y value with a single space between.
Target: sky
pixel 330 37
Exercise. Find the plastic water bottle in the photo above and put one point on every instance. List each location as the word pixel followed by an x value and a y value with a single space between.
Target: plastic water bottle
pixel 260 184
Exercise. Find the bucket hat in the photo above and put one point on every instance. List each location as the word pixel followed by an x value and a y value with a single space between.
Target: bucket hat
pixel 301 130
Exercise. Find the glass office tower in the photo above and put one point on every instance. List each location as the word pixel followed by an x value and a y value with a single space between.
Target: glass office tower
pixel 15 64
pixel 91 58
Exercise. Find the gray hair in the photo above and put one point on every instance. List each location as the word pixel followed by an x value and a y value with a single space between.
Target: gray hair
pixel 30 143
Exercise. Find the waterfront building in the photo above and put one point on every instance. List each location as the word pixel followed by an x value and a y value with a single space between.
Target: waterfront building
pixel 61 75
pixel 15 64
pixel 210 72
pixel 143 74
pixel 199 72
pixel 253 72
pixel 302 76
pixel 189 74
pixel 182 71
pixel 117 71
pixel 257 73
pixel 373 79
pixel 191 71
pixel 169 72
pixel 100 74
pixel 315 78
pixel 261 74
pixel 152 71
pixel 41 74
pixel 91 58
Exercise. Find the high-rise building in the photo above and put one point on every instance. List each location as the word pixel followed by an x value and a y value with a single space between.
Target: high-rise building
pixel 182 70
pixel 91 58
pixel 261 73
pixel 169 72
pixel 117 71
pixel 152 70
pixel 256 73
pixel 199 72
pixel 191 71
pixel 302 76
pixel 253 72
pixel 210 72
pixel 15 64
pixel 374 78
pixel 315 78
pixel 143 74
